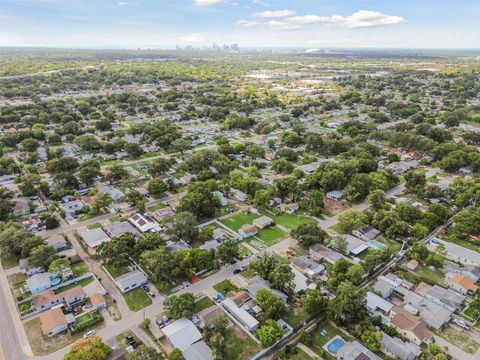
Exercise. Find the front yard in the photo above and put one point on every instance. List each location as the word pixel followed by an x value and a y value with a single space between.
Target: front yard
pixel 270 236
pixel 137 299
pixel 459 339
pixel 225 287
pixel 203 303
pixel 237 221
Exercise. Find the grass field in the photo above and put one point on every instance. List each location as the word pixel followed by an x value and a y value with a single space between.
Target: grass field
pixel 237 221
pixel 336 228
pixel 432 275
pixel 202 304
pixel 460 339
pixel 81 283
pixel 225 287
pixel 137 299
pixel 122 341
pixel 475 246
pixel 157 207
pixel 116 272
pixel 289 221
pixel 271 235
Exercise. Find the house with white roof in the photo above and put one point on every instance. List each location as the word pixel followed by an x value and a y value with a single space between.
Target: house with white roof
pixel 94 237
pixel 455 252
pixel 355 246
pixel 144 223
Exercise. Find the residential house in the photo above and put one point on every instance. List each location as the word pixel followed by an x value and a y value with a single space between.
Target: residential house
pixel 239 314
pixel 410 326
pixel 40 282
pixel 321 252
pixel 182 333
pixel 335 195
pixel 238 195
pixel 256 283
pixel 98 301
pixel 47 299
pixel 300 281
pixel 462 284
pixel 378 306
pixel 399 349
pixel 456 252
pixel 433 314
pixel 94 238
pixel 262 222
pixel 366 233
pixel 144 223
pixel 355 246
pixel 473 272
pixel 308 266
pixel 412 264
pixel 117 228
pixel 114 193
pixel 221 197
pixel 198 351
pixel 356 351
pixel 53 322
pixel 248 230
pixel 448 298
pixel 131 280
pixel 290 208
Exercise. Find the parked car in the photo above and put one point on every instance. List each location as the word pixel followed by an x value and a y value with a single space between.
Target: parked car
pixel 151 294
pixel 240 269
pixel 130 339
pixel 160 323
pixel 89 333
pixel 463 324
pixel 146 288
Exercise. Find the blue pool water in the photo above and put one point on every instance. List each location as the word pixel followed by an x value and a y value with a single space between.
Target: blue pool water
pixel 335 345
pixel 376 244
pixel 55 281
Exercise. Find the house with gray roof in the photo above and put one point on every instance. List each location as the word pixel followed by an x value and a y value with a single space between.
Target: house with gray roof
pixel 94 237
pixel 448 298
pixel 455 252
pixel 397 348
pixel 257 283
pixel 319 252
pixel 356 351
pixel 117 228
pixel 198 351
pixel 366 233
pixel 308 267
pixel 131 280
pixel 355 246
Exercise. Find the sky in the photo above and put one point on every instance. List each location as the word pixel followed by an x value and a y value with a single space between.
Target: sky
pixel 134 24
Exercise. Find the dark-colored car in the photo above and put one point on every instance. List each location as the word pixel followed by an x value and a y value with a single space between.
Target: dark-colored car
pixel 130 339
pixel 146 288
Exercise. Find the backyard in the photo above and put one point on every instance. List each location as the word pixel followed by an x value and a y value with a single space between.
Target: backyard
pixel 316 340
pixel 137 299
pixel 225 287
pixel 237 221
pixel 270 236
pixel 290 221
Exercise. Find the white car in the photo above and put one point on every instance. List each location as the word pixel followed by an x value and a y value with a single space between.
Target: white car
pixel 462 324
pixel 89 333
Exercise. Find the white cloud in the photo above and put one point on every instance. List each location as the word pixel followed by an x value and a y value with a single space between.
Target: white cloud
pixel 123 3
pixel 365 18
pixel 282 25
pixel 274 14
pixel 308 19
pixel 261 3
pixel 247 24
pixel 207 2
pixel 191 38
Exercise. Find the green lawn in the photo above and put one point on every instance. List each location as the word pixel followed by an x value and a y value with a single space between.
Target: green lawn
pixel 318 341
pixel 116 219
pixel 472 245
pixel 225 287
pixel 8 263
pixel 202 304
pixel 295 317
pixel 94 226
pixel 116 272
pixel 463 341
pixel 80 268
pixel 336 228
pixel 289 221
pixel 81 283
pixel 432 275
pixel 157 207
pixel 122 341
pixel 137 299
pixel 271 235
pixel 469 313
pixel 237 221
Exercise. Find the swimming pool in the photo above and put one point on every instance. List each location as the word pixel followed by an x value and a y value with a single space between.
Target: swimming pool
pixel 376 244
pixel 335 344
pixel 55 281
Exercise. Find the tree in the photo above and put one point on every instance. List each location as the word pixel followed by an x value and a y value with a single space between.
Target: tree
pixel 157 187
pixel 314 303
pixel 118 251
pixel 175 354
pixel 88 174
pixel 144 353
pixel 181 306
pixel 376 199
pixel 308 234
pixel 134 150
pixel 6 204
pixel 433 352
pixel 117 172
pixel 263 197
pixel 181 145
pixel 185 227
pixel 60 267
pixel 218 338
pixel 340 243
pixel 92 348
pixel 159 166
pixel 227 252
pixel 264 264
pixel 102 201
pixel 200 259
pixel 282 166
pixel 269 333
pixel 355 274
pixel 419 231
pixel 273 306
pixel 51 222
pixel 42 256
pixel 351 220
pixel 349 305
pixel 414 180
pixel 371 339
pixel 314 202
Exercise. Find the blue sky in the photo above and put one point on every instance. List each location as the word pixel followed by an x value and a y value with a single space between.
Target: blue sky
pixel 250 23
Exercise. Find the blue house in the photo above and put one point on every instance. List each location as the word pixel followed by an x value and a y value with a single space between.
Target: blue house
pixel 40 282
